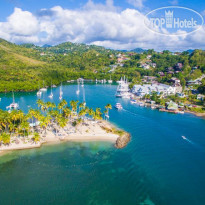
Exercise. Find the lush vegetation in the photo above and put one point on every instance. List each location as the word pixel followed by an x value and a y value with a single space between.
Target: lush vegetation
pixel 17 123
pixel 25 67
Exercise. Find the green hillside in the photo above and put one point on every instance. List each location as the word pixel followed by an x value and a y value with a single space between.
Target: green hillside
pixel 25 67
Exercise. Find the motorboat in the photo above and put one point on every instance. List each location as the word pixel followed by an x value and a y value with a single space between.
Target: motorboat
pixel 118 106
pixel 141 104
pixel 133 102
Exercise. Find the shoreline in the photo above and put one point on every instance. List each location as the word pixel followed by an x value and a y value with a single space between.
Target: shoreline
pixel 198 114
pixel 101 131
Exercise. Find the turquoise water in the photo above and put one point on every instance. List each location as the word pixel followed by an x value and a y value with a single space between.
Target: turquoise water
pixel 157 167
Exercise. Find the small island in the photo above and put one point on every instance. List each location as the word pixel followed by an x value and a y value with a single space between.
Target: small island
pixel 52 123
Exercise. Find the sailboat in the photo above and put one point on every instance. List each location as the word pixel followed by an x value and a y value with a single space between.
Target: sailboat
pixel 84 102
pixel 13 105
pixel 44 89
pixel 39 93
pixel 61 93
pixel 78 90
pixel 110 81
pixel 51 95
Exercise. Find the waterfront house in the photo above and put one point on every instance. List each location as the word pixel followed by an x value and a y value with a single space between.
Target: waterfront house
pixel 172 106
pixel 141 90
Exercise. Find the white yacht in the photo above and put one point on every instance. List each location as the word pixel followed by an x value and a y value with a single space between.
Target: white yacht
pixel 118 106
pixel 13 105
pixel 51 95
pixel 78 90
pixel 44 89
pixel 39 93
pixel 61 93
pixel 123 89
pixel 110 81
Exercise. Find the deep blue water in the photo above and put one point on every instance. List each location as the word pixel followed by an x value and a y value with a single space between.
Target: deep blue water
pixel 157 167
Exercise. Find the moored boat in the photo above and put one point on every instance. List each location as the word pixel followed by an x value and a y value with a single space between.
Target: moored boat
pixel 123 89
pixel 13 105
pixel 133 102
pixel 118 106
pixel 39 93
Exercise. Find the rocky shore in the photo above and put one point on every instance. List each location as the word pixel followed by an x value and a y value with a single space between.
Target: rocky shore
pixel 122 141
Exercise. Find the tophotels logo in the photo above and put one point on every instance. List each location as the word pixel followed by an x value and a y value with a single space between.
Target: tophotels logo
pixel 173 20
pixel 169 19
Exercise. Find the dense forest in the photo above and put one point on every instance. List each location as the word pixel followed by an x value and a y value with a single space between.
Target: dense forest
pixel 26 67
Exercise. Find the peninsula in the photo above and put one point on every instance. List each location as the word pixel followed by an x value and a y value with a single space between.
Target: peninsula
pixel 52 123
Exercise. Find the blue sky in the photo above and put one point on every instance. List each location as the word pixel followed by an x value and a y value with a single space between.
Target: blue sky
pixel 91 28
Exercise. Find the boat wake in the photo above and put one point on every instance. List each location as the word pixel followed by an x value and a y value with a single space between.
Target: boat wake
pixel 184 138
pixel 199 147
pixel 130 112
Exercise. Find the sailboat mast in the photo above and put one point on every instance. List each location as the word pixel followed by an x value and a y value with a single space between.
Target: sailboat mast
pixel 13 97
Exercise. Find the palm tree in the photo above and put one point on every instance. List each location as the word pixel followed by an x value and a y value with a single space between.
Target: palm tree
pixel 74 105
pixel 91 112
pixel 24 126
pixel 98 114
pixel 107 107
pixel 81 105
pixel 5 138
pixel 61 105
pixel 66 112
pixel 40 103
pixel 53 105
pixel 44 122
pixel 82 113
pixel 36 137
pixel 62 122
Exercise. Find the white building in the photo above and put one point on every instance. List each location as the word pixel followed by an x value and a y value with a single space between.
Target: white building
pixel 141 90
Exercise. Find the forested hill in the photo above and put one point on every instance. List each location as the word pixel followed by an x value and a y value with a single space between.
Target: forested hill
pixel 25 67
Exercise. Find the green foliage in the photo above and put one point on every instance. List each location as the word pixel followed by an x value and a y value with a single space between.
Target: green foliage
pixel 26 67
pixel 5 138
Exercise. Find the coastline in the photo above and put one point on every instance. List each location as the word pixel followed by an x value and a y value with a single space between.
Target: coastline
pixel 90 131
pixel 198 114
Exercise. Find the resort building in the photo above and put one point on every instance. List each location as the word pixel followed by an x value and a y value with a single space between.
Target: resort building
pixel 141 90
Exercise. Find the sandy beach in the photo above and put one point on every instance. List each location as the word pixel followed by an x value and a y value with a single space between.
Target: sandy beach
pixel 88 131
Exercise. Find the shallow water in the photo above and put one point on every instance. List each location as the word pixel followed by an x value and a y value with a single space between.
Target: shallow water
pixel 157 167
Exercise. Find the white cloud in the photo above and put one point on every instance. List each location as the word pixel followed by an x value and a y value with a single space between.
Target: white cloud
pixel 21 23
pixel 136 3
pixel 97 24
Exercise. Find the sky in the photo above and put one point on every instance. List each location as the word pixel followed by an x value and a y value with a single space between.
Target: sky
pixel 117 24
